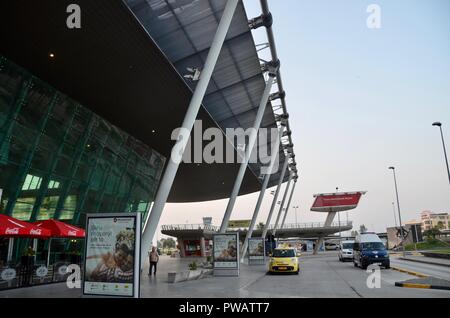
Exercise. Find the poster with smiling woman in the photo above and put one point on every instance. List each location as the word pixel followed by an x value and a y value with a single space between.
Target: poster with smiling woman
pixel 112 255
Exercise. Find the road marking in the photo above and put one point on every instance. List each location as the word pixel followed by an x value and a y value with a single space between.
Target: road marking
pixel 420 275
pixel 409 285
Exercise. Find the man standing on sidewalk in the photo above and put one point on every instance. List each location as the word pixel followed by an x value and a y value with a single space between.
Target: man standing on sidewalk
pixel 154 259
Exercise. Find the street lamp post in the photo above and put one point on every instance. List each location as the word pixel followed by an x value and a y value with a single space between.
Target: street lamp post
pixel 438 124
pixel 395 217
pixel 339 218
pixel 295 208
pixel 398 208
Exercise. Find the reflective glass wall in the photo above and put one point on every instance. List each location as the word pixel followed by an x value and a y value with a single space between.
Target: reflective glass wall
pixel 60 160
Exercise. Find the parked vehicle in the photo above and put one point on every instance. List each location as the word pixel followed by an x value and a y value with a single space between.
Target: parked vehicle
pixel 346 251
pixel 331 246
pixel 369 249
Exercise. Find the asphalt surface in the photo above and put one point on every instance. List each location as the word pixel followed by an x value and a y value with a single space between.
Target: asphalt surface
pixel 442 272
pixel 321 276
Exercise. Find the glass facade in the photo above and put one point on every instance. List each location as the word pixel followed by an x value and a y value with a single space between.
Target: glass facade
pixel 59 160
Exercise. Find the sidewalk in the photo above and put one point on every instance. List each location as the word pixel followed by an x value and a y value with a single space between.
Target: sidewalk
pixel 221 287
pixel 158 287
pixel 427 260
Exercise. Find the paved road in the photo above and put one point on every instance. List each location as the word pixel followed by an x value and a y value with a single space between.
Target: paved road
pixel 442 272
pixel 327 277
pixel 321 276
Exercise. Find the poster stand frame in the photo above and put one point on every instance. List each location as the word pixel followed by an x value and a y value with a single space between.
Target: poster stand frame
pixel 228 271
pixel 137 253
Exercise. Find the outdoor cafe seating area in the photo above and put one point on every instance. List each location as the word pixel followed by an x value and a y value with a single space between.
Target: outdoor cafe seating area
pixel 37 264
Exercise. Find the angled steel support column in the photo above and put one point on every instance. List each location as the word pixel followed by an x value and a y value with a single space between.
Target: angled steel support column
pixel 186 128
pixel 289 204
pixel 248 151
pixel 275 198
pixel 274 231
pixel 275 156
pixel 328 222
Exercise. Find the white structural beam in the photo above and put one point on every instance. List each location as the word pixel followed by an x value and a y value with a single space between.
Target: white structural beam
pixel 186 128
pixel 289 204
pixel 248 150
pixel 328 222
pixel 274 231
pixel 274 157
pixel 275 197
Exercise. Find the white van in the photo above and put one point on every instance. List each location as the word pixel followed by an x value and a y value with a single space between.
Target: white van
pixel 346 251
pixel 369 249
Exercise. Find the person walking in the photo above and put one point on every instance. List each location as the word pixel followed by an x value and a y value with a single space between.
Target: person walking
pixel 154 259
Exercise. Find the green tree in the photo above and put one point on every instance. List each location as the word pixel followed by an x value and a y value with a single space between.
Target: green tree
pixel 432 233
pixel 169 243
pixel 440 225
pixel 260 226
pixel 355 233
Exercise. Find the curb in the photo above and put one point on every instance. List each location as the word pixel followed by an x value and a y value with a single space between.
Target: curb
pixel 424 262
pixel 421 286
pixel 398 269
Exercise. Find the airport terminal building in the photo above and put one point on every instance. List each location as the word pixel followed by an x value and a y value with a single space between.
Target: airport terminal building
pixel 86 115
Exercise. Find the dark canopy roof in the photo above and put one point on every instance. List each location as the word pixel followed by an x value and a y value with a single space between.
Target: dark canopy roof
pixel 113 67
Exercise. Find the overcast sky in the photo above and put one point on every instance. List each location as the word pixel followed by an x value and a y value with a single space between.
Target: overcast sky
pixel 359 100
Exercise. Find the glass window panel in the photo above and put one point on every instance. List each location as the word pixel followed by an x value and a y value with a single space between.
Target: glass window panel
pixel 35 182
pixel 70 205
pixel 35 107
pixel 10 83
pixel 27 182
pixel 23 208
pixel 47 208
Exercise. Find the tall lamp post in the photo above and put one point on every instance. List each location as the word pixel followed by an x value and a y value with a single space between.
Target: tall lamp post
pixel 438 124
pixel 295 208
pixel 395 217
pixel 339 218
pixel 398 208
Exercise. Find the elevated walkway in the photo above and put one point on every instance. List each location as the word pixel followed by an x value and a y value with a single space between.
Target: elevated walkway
pixel 301 230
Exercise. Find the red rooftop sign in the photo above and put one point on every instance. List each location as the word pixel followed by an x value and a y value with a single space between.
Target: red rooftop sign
pixel 336 202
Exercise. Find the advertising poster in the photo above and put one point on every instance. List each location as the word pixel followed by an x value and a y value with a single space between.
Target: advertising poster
pixel 226 251
pixel 112 255
pixel 256 249
pixel 239 224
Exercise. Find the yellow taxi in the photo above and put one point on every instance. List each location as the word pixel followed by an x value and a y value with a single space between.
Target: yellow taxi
pixel 284 260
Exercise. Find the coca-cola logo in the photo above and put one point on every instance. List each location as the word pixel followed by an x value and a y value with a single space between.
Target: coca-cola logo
pixel 42 271
pixel 72 233
pixel 35 232
pixel 8 274
pixel 12 231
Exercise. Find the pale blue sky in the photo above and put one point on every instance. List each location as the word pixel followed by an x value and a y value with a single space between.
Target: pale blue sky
pixel 360 100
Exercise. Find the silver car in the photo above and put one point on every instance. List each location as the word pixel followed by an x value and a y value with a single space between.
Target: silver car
pixel 346 251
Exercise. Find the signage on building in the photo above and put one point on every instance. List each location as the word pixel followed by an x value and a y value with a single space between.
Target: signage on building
pixel 239 224
pixel 336 202
pixel 112 262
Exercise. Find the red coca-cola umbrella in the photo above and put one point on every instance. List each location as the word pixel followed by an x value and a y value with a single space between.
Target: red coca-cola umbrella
pixel 60 229
pixel 11 227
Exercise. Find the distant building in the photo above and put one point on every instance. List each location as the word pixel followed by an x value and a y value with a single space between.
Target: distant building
pixel 412 231
pixel 431 220
pixel 207 220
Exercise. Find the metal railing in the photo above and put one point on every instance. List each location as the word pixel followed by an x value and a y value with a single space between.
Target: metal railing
pixel 312 225
pixel 212 228
pixel 190 227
